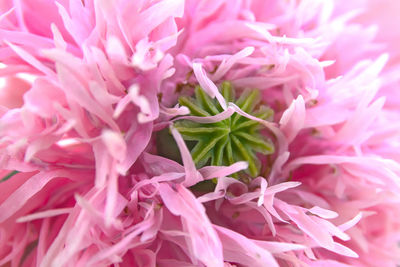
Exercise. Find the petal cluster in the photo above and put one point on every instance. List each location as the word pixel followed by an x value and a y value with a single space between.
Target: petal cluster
pixel 88 88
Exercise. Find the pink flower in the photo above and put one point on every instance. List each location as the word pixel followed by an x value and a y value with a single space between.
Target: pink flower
pixel 287 154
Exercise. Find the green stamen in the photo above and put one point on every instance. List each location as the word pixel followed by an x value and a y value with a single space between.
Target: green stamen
pixel 234 139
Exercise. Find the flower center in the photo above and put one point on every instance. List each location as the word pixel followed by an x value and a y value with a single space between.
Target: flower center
pixel 234 139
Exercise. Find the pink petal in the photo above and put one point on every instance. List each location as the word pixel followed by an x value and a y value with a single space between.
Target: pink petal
pixel 209 172
pixel 192 175
pixel 115 144
pixel 44 214
pixel 237 248
pixel 226 65
pixel 21 196
pixel 208 86
pixel 292 120
pixel 203 238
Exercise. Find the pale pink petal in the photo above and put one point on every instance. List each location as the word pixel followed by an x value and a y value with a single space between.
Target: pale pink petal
pixel 20 196
pixel 210 119
pixel 43 214
pixel 115 144
pixel 31 59
pixel 142 102
pixel 12 90
pixel 209 172
pixel 58 38
pixel 135 148
pixel 192 175
pixel 278 247
pixel 226 65
pixel 78 93
pixel 203 238
pixel 308 226
pixel 292 120
pixel 349 224
pixel 323 213
pixel 207 84
pixel 40 99
pixel 237 248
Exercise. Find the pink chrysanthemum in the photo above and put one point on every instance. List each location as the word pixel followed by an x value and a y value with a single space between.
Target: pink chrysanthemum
pixel 199 133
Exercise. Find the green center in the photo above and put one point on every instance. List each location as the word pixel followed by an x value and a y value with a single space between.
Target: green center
pixel 231 140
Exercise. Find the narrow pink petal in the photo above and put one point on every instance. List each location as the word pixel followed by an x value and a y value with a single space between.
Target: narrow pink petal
pixel 176 111
pixel 209 172
pixel 112 196
pixel 165 177
pixel 121 105
pixel 240 249
pixel 116 50
pixel 332 229
pixel 269 206
pixel 115 144
pixel 31 59
pixel 293 118
pixel 72 244
pixel 42 243
pixel 243 198
pixel 43 214
pixel 281 187
pixel 323 213
pixel 204 240
pixel 39 145
pixel 267 216
pixel 25 39
pixel 376 170
pixel 58 38
pixel 106 71
pixel 278 247
pixel 21 196
pixel 307 225
pixel 225 66
pixel 220 190
pixel 345 251
pixel 208 86
pixel 263 82
pixel 192 175
pixel 146 56
pixel 74 89
pixel 159 165
pixel 354 128
pixel 322 115
pixel 102 164
pixel 142 102
pixel 127 242
pixel 41 97
pixel 102 96
pixel 328 263
pixel 210 119
pixel 263 187
pixel 277 167
pixel 77 29
pixel 16 249
pixel 349 224
pixel 153 16
pixel 136 141
pixel 211 196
